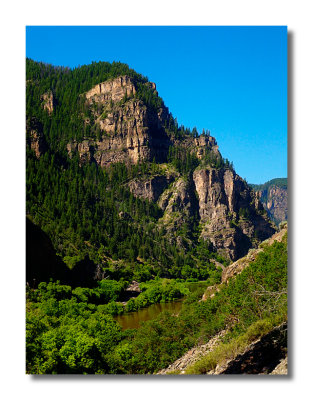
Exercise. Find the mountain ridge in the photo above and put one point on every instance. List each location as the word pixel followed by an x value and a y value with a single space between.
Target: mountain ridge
pixel 119 134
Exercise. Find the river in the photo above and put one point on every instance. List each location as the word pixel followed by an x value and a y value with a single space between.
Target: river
pixel 133 319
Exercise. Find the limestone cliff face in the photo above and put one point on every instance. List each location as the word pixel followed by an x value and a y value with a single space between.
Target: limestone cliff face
pixel 232 218
pixel 129 131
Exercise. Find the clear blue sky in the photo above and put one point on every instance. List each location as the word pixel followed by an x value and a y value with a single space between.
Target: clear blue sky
pixel 230 80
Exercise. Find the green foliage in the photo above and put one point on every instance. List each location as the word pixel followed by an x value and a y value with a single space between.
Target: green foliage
pixel 148 96
pixel 244 213
pixel 226 351
pixel 87 211
pixel 215 160
pixel 157 291
pixel 67 334
pixel 182 159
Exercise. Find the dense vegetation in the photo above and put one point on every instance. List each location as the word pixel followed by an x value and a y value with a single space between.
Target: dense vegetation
pixel 69 331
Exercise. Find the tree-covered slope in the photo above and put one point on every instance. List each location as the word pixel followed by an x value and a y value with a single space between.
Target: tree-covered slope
pixel 117 191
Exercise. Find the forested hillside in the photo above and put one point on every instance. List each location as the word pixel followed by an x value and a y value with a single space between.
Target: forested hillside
pixel 88 209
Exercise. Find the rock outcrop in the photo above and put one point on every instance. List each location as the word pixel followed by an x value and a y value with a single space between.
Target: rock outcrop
pixel 48 102
pixel 150 188
pixel 179 205
pixel 238 266
pixel 129 130
pixel 274 197
pixel 203 143
pixel 277 203
pixel 231 215
pixel 35 138
pixel 266 355
pixel 281 368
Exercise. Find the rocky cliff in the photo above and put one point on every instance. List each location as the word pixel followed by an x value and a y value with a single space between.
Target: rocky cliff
pixel 230 214
pixel 127 129
pixel 277 203
pixel 274 197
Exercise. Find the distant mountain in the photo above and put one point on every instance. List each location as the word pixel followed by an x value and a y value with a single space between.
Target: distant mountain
pixel 274 197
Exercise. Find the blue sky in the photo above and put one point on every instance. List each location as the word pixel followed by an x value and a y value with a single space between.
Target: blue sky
pixel 230 80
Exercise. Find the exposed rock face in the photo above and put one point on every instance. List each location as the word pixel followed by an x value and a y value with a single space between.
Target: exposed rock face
pixel 133 287
pixel 113 90
pixel 35 138
pixel 129 130
pixel 37 143
pixel 202 143
pixel 48 102
pixel 231 215
pixel 179 204
pixel 266 355
pixel 238 266
pixel 277 203
pixel 274 197
pixel 177 198
pixel 150 188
